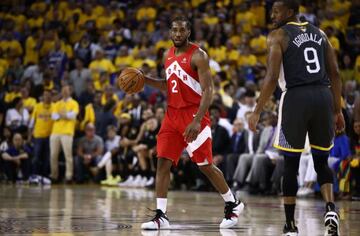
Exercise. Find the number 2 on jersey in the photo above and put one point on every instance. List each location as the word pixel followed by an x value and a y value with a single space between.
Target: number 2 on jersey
pixel 313 62
pixel 174 89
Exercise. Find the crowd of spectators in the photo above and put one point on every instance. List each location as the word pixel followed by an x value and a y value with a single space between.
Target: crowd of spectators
pixel 63 119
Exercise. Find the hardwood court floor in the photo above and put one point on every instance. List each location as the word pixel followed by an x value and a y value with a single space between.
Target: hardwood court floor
pixel 93 210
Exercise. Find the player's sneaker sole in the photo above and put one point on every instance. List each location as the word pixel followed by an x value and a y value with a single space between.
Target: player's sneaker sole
pixel 331 221
pixel 290 234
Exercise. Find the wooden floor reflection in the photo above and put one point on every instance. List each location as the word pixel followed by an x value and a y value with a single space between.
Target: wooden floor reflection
pixel 93 210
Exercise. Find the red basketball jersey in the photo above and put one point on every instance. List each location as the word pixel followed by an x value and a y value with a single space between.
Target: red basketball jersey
pixel 183 84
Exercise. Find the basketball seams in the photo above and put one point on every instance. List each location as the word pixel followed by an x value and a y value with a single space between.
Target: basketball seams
pixel 130 70
pixel 131 80
pixel 139 82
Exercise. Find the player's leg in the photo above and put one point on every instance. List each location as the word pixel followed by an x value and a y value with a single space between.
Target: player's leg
pixel 162 182
pixel 169 147
pixel 325 177
pixel 290 188
pixel 202 155
pixel 233 207
pixel 321 133
pixel 290 139
pixel 217 179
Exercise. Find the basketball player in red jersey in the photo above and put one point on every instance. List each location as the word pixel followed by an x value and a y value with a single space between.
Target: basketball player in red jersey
pixel 187 123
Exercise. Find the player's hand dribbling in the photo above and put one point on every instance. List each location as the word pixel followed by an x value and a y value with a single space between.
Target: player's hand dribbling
pixel 253 120
pixel 192 131
pixel 339 122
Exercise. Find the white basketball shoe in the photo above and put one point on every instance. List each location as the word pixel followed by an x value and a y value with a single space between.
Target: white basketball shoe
pixel 160 221
pixel 331 220
pixel 232 211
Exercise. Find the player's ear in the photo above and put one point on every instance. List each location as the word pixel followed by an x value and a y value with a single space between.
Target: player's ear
pixel 290 13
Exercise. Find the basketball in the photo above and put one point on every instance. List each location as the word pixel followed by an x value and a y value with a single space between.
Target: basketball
pixel 131 80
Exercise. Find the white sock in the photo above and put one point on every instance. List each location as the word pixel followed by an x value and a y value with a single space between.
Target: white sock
pixel 161 204
pixel 228 196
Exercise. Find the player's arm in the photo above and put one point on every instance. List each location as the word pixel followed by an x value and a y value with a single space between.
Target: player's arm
pixel 332 70
pixel 274 59
pixel 157 83
pixel 200 61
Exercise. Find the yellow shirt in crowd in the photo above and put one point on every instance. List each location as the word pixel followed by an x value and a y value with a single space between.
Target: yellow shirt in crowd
pixel 29 103
pixel 3 67
pixel 65 126
pixel 196 3
pixel 335 43
pixel 20 21
pixel 104 100
pixel 124 61
pixel 218 53
pixel 49 85
pixel 70 12
pixel 357 69
pixel 31 54
pixel 260 13
pixel 13 46
pixel 247 19
pixel 98 10
pixel 140 62
pixel 42 120
pixel 211 20
pixel 166 44
pixel 342 6
pixel 233 55
pixel 10 96
pixel 235 39
pixel 146 13
pixel 89 116
pixel 32 22
pixel 83 18
pixel 97 66
pixel 50 15
pixel 332 23
pixel 38 6
pixel 259 44
pixel 247 60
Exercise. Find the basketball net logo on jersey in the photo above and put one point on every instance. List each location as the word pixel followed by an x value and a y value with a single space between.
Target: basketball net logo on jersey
pixel 184 89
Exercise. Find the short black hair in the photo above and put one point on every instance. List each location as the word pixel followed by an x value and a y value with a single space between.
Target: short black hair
pixel 183 19
pixel 291 4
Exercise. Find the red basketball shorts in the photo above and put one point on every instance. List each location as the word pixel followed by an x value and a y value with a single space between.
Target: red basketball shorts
pixel 171 142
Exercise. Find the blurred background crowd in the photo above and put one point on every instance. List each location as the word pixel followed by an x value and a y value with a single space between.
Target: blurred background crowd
pixel 63 119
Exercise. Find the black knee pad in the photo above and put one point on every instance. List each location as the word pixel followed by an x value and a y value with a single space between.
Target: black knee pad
pixel 291 168
pixel 321 166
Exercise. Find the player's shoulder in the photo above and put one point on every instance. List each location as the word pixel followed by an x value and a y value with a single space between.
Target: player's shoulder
pixel 200 54
pixel 277 34
pixel 166 52
pixel 323 34
pixel 166 55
